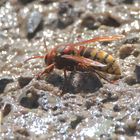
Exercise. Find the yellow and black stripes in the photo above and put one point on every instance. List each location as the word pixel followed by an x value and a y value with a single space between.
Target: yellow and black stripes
pixel 101 56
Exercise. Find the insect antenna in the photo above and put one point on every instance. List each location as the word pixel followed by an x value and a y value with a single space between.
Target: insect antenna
pixel 38 56
pixel 33 57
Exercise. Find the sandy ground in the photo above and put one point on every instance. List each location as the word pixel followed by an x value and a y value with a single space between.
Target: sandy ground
pixel 86 106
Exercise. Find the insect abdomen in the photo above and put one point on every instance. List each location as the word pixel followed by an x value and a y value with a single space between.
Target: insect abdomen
pixel 101 56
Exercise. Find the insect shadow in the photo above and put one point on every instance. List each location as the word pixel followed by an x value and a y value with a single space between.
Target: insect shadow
pixel 76 82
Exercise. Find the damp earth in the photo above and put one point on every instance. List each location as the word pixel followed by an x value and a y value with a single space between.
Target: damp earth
pixel 85 106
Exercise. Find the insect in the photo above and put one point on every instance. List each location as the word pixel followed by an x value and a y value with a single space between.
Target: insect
pixel 77 57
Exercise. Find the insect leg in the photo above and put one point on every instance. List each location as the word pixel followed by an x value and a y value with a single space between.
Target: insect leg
pixel 47 70
pixel 65 74
pixel 103 77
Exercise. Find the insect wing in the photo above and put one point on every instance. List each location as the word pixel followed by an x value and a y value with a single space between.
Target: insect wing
pixel 84 61
pixel 98 39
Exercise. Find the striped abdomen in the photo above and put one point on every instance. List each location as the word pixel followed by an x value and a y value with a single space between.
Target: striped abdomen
pixel 101 56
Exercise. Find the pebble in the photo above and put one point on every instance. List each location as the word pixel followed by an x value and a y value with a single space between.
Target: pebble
pixel 137 73
pixel 29 99
pixel 23 81
pixel 119 130
pixel 116 108
pixel 33 22
pixel 89 21
pixel 22 131
pixel 5 109
pixel 109 20
pixel 130 80
pixel 66 14
pixel 3 82
pixel 25 1
pixel 75 120
pixel 126 50
pixel 130 126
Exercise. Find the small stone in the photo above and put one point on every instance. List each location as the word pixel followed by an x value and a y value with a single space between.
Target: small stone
pixel 4 81
pixel 23 81
pixel 130 80
pixel 22 131
pixel 137 73
pixel 33 22
pixel 131 40
pixel 119 130
pixel 29 99
pixel 110 99
pixel 5 109
pixel 88 104
pixel 126 50
pixel 47 1
pixel 66 14
pixel 25 1
pixel 2 2
pixel 75 120
pixel 128 1
pixel 62 119
pixel 116 108
pixel 109 20
pixel 130 126
pixel 89 21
